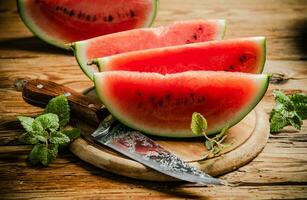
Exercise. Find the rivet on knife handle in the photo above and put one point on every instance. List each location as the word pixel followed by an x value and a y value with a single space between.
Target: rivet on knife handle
pixel 39 92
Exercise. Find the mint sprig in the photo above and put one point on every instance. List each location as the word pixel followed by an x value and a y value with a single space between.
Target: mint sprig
pixel 48 131
pixel 289 110
pixel 214 144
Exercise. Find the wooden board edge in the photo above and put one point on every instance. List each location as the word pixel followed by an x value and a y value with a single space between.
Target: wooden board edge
pixel 215 166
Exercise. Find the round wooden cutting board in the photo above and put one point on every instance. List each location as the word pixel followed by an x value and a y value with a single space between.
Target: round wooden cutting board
pixel 246 140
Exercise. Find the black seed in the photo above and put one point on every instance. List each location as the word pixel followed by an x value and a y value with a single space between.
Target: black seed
pixel 132 14
pixel 88 17
pixel 139 94
pixel 243 58
pixel 195 37
pixel 160 103
pixel 231 67
pixel 94 18
pixel 110 18
pixel 71 13
pixel 168 96
pixel 65 9
pixel 57 7
pixel 188 41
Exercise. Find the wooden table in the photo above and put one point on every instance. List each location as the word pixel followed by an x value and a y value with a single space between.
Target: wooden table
pixel 280 171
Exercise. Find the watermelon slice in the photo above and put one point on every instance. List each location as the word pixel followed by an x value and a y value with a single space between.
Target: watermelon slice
pixel 60 22
pixel 176 34
pixel 163 104
pixel 241 55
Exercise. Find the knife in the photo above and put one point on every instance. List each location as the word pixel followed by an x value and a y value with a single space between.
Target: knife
pixel 115 135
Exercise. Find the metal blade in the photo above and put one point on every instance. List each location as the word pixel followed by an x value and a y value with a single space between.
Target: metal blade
pixel 139 147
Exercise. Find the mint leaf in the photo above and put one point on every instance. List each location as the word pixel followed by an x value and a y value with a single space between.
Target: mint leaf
pixel 59 138
pixel 46 122
pixel 300 103
pixel 43 154
pixel 289 110
pixel 198 124
pixel 59 106
pixel 52 153
pixel 72 133
pixel 33 137
pixel 35 154
pixel 26 122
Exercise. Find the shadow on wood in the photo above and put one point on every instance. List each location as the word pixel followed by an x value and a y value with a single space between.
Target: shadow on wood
pixel 33 44
pixel 301 37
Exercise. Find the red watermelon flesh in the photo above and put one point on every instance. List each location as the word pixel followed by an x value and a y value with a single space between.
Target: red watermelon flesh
pixel 64 21
pixel 241 55
pixel 175 34
pixel 163 104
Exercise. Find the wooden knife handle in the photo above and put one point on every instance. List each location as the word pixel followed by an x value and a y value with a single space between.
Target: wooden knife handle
pixel 38 92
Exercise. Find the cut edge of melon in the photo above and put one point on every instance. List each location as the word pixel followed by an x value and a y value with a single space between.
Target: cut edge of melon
pixel 79 48
pixel 102 63
pixel 264 83
pixel 35 29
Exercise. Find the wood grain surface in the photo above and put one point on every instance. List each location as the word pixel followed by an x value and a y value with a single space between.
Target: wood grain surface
pixel 279 172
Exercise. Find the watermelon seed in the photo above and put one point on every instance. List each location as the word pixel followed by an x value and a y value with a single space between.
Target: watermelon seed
pixel 110 18
pixel 188 41
pixel 243 58
pixel 231 67
pixel 200 28
pixel 168 96
pixel 195 36
pixel 88 17
pixel 65 9
pixel 160 103
pixel 94 18
pixel 71 13
pixel 152 98
pixel 139 94
pixel 132 14
pixel 57 7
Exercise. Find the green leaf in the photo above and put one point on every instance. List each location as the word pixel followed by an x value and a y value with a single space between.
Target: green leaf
pixel 289 110
pixel 26 122
pixel 222 134
pixel 59 138
pixel 198 124
pixel 72 133
pixel 46 122
pixel 52 153
pixel 300 103
pixel 35 154
pixel 41 154
pixel 209 144
pixel 33 137
pixel 59 106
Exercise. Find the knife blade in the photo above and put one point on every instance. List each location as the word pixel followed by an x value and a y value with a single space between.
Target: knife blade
pixel 115 135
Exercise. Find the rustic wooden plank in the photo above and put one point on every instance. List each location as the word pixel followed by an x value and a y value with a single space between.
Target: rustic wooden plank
pixel 278 172
pixel 274 19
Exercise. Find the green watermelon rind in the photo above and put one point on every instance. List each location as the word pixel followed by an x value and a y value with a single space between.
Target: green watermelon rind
pixel 261 92
pixel 35 29
pixel 80 47
pixel 102 62
pixel 53 41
